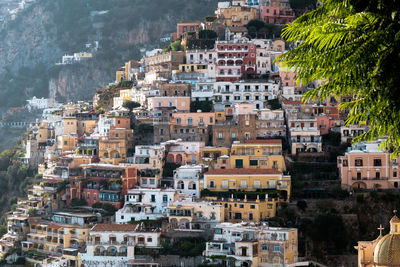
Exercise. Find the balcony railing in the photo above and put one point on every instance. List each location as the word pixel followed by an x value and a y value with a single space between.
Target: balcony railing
pixel 369 179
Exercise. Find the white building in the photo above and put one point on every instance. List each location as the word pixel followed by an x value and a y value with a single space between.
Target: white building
pixel 40 103
pixel 189 214
pixel 145 204
pixel 258 93
pixel 270 123
pixel 201 57
pixel 259 244
pixel 188 178
pixel 114 244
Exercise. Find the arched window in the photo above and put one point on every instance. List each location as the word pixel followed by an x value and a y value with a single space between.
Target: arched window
pixel 181 185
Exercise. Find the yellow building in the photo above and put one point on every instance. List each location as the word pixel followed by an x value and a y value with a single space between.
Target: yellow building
pixel 220 116
pixel 248 180
pixel 126 72
pixel 67 143
pixel 253 154
pixel 383 251
pixel 70 125
pixel 278 246
pixel 234 16
pixel 51 238
pixel 247 210
pixel 193 67
pixel 209 155
pixel 186 214
pixel 113 149
pixel 86 127
pixel 44 132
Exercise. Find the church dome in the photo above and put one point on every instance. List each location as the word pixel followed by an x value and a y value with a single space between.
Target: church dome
pixel 387 251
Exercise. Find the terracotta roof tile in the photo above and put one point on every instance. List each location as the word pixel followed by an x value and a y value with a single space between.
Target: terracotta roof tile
pixel 242 171
pixel 113 227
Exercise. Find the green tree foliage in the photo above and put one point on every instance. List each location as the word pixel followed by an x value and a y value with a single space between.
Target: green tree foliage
pixel 260 29
pixel 168 169
pixel 125 84
pixel 274 104
pixel 15 178
pixel 204 106
pixel 76 202
pixel 32 212
pixel 329 231
pixel 130 105
pixel 145 128
pixel 302 4
pixel 174 46
pixel 207 34
pixel 353 46
pixel 110 209
pixel 301 205
pixel 184 246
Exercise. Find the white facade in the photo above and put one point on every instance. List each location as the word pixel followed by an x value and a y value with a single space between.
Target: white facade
pixel 145 204
pixel 114 245
pixel 40 103
pixel 290 93
pixel 188 178
pixel 257 93
pixel 201 57
pixel 270 123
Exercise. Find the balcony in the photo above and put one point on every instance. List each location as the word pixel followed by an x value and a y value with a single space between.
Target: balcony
pixel 369 179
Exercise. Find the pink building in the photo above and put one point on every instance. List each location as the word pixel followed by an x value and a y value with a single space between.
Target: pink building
pixel 176 102
pixel 276 14
pixel 235 60
pixel 325 124
pixel 193 119
pixel 365 166
pixel 182 153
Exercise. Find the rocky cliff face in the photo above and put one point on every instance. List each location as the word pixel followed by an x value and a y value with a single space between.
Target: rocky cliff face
pixel 28 40
pixel 48 29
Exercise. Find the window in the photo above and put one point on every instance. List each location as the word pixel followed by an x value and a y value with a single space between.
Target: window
pixel 153 198
pixel 233 136
pixel 358 175
pixel 358 162
pixel 219 135
pixel 377 175
pixel 165 198
pixel 252 207
pixel 345 164
pixel 264 247
pixel 275 165
pixel 190 121
pixel 149 239
pixel 178 120
pixel 394 174
pixel 253 162
pixel 212 184
pixel 377 162
pixel 277 249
